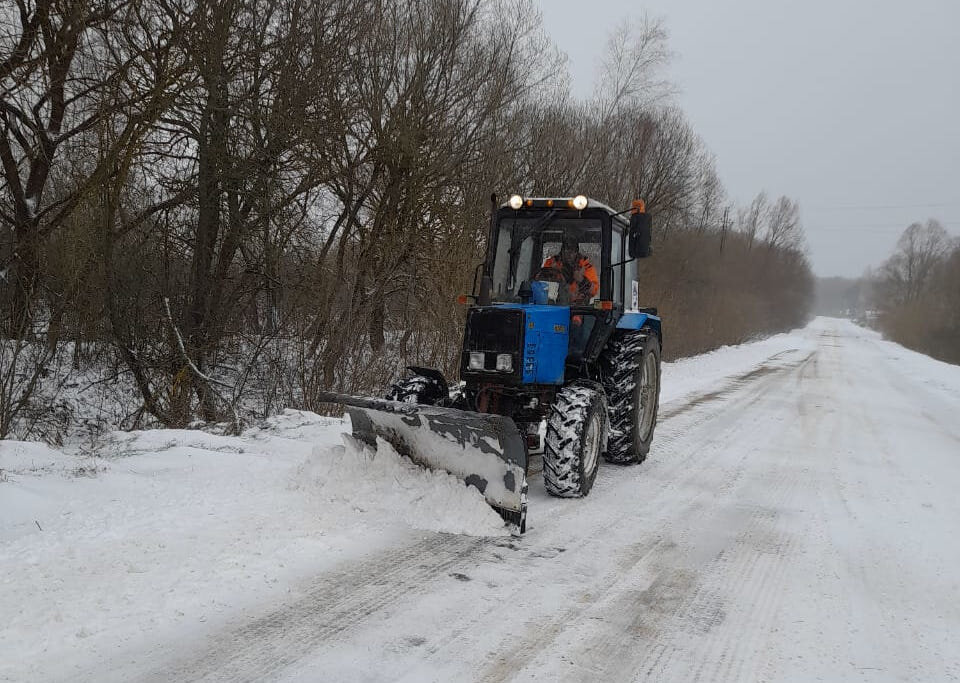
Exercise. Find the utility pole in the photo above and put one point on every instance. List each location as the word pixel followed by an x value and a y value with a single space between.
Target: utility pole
pixel 723 227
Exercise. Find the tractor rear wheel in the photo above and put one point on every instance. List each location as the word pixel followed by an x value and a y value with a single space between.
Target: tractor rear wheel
pixel 577 430
pixel 631 368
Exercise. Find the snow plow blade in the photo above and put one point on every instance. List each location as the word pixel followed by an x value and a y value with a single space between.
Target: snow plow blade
pixel 486 451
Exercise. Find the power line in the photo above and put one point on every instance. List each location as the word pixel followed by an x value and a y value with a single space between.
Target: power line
pixel 878 226
pixel 862 207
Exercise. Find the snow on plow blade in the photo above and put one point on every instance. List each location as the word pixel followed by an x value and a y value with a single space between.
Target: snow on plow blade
pixel 486 451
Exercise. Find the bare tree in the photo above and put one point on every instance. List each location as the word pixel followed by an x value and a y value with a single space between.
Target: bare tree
pixel 783 228
pixel 632 67
pixel 236 155
pixel 905 275
pixel 44 104
pixel 752 218
pixel 917 291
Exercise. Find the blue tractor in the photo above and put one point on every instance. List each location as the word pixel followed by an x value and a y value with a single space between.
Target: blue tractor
pixel 554 336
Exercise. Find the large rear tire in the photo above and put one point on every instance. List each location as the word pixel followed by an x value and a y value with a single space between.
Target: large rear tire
pixel 577 431
pixel 631 368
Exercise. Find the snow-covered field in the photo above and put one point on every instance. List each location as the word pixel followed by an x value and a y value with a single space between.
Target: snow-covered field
pixel 796 521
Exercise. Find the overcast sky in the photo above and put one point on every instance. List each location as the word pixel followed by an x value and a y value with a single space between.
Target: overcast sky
pixel 852 107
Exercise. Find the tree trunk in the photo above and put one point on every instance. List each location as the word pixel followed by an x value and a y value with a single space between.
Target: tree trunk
pixel 24 278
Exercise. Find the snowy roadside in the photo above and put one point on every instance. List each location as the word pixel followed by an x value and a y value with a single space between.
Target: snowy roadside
pixel 167 531
pixel 711 371
pixel 171 532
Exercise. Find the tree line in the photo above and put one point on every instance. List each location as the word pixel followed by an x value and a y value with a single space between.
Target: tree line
pixel 233 204
pixel 916 292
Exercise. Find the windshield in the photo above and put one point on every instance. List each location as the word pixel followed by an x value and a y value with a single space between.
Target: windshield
pixel 560 257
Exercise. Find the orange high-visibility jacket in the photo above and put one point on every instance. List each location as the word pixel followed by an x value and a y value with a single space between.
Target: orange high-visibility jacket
pixel 587 287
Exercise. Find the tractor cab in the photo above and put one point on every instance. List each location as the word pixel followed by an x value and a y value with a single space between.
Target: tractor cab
pixel 567 268
pixel 530 249
pixel 528 233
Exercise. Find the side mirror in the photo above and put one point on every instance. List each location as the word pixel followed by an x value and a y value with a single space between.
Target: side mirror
pixel 640 236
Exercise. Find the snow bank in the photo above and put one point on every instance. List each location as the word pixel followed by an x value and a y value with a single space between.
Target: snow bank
pixel 166 532
pixel 707 371
pixel 27 457
pixel 386 485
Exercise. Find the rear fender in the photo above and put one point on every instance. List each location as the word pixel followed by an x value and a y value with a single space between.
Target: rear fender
pixel 632 320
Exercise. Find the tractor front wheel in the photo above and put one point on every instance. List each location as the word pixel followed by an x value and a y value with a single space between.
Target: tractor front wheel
pixel 419 388
pixel 577 430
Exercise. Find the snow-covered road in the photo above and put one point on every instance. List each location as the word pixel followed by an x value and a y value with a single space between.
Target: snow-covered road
pixel 796 520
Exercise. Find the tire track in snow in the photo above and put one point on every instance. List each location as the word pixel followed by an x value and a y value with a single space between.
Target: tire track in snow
pixel 713 569
pixel 665 585
pixel 747 576
pixel 330 607
pixel 522 651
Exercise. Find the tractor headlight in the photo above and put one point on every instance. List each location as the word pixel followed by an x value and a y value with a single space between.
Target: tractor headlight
pixel 476 360
pixel 516 202
pixel 504 362
pixel 579 202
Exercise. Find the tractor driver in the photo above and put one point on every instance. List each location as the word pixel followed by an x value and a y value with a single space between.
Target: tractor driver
pixel 572 268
